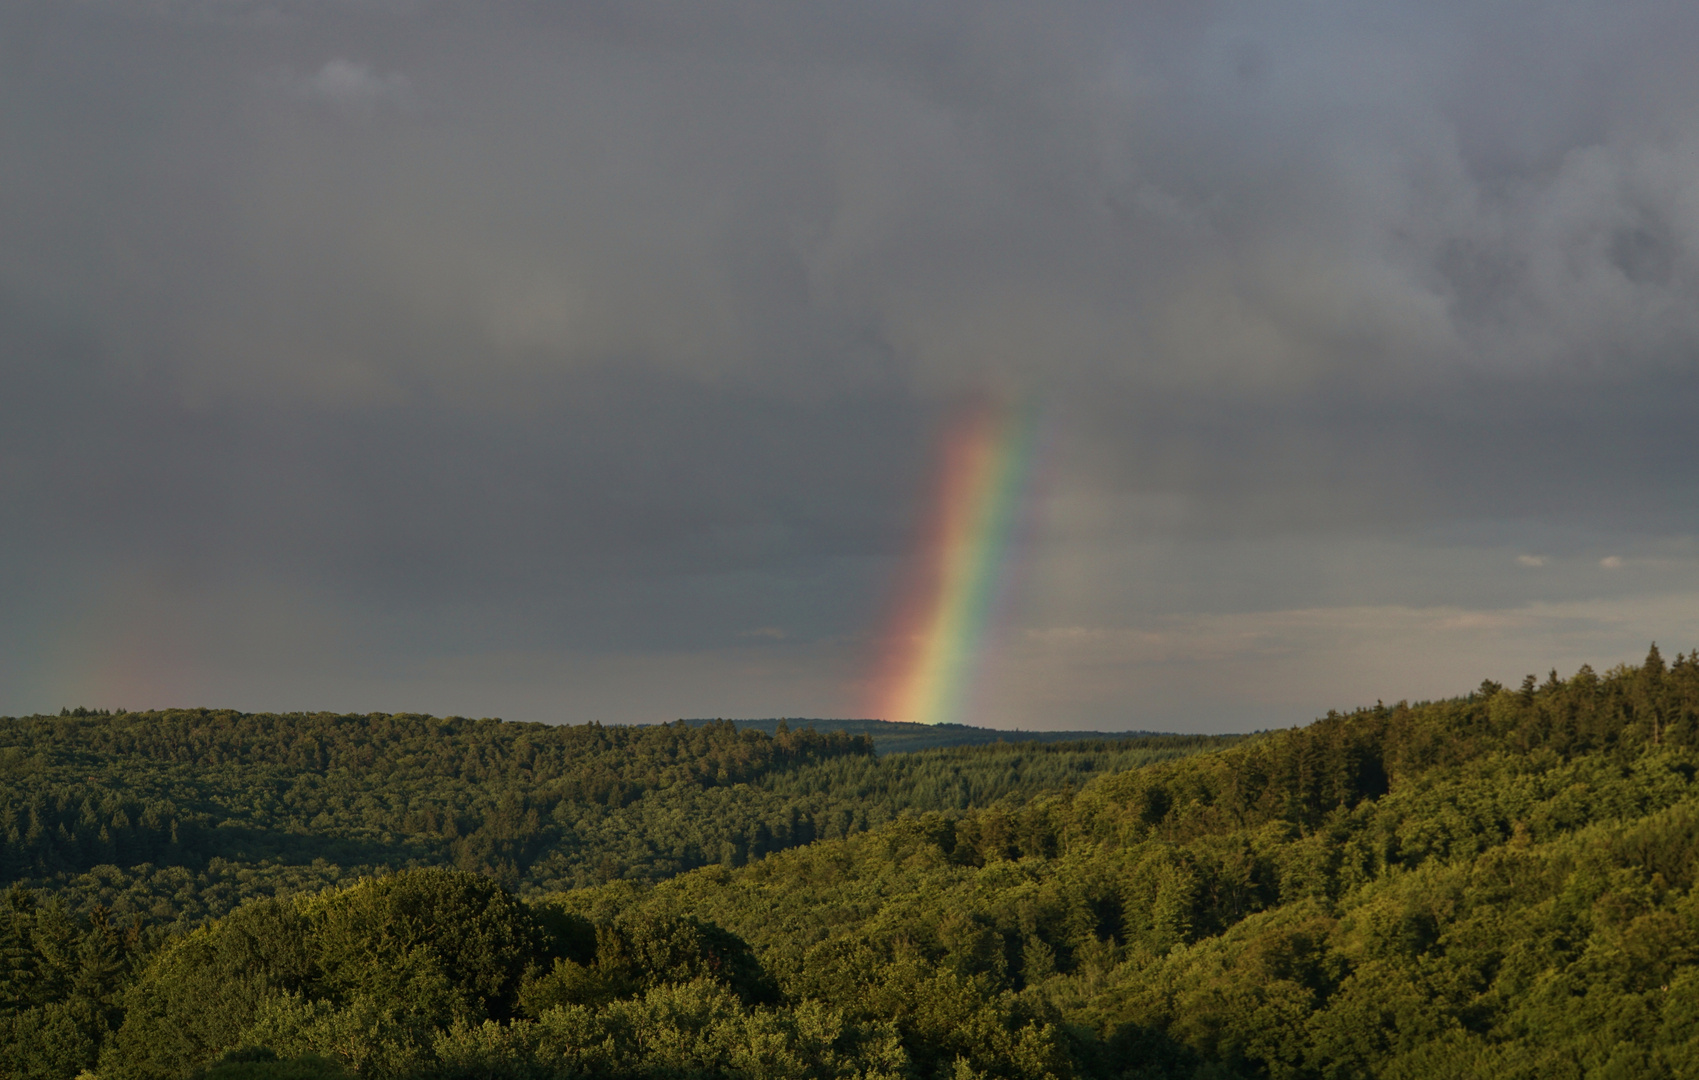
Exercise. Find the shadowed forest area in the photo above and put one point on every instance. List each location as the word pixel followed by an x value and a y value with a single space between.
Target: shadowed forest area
pixel 1498 884
pixel 182 814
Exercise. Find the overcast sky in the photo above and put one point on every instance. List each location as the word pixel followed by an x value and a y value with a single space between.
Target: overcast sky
pixel 588 361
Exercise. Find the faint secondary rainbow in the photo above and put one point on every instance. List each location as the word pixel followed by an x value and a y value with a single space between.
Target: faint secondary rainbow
pixel 951 598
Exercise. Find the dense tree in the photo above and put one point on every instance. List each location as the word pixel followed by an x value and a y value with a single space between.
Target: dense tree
pixel 1500 884
pixel 61 981
pixel 182 814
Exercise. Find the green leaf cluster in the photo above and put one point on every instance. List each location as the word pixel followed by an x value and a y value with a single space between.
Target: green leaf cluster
pixel 445 973
pixel 62 977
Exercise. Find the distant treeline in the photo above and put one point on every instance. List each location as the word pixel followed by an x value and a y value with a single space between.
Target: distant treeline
pixel 891 737
pixel 184 813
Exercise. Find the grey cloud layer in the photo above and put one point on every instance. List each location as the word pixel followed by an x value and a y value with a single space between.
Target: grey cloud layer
pixel 624 330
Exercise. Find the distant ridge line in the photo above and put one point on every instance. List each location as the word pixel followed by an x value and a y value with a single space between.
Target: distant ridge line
pixel 891 736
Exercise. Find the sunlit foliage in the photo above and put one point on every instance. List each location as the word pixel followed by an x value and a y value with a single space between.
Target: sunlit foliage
pixel 1497 885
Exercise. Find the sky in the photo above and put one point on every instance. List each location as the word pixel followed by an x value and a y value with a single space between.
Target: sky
pixel 590 361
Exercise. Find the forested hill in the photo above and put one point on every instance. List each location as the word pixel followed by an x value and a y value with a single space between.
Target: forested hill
pixel 1499 885
pixel 891 736
pixel 181 814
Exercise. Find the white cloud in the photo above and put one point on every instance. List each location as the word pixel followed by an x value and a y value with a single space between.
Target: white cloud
pixel 1531 560
pixel 1611 562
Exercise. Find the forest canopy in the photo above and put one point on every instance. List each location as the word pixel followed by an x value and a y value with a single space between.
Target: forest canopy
pixel 181 814
pixel 1497 884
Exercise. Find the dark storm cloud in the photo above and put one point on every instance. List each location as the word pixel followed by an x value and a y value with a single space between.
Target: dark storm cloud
pixel 624 330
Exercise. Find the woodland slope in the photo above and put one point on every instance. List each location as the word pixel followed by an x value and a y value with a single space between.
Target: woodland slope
pixel 1499 884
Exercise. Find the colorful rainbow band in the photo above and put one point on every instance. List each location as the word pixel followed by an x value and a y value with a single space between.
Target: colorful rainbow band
pixel 940 634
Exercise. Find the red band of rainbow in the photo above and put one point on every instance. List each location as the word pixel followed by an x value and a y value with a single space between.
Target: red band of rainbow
pixel 950 602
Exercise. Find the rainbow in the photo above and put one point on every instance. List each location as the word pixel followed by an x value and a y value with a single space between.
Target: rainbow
pixel 950 599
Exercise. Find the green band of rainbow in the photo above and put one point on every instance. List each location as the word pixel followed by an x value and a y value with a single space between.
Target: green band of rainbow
pixel 941 631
